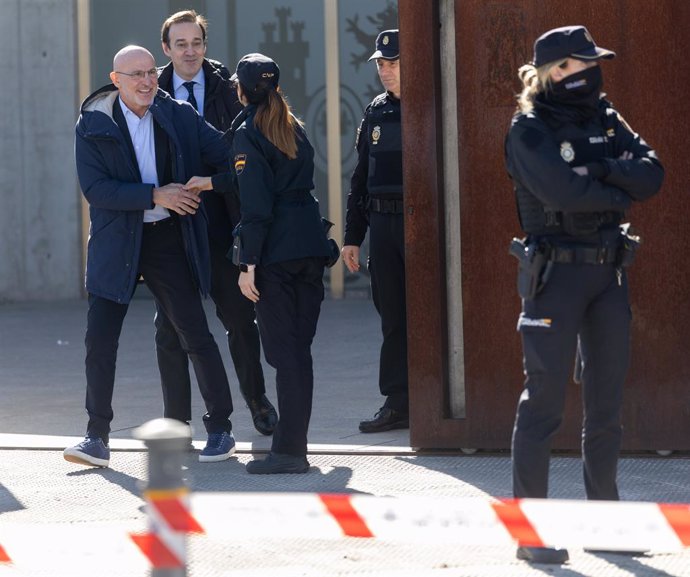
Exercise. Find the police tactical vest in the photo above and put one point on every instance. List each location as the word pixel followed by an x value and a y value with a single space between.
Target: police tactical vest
pixel 579 145
pixel 385 147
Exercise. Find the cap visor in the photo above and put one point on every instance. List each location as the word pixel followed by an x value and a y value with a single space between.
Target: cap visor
pixel 595 54
pixel 378 54
pixel 233 78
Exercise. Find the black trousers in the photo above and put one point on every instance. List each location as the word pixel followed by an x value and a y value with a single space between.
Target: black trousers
pixel 387 268
pixel 239 319
pixel 163 264
pixel 585 300
pixel 288 310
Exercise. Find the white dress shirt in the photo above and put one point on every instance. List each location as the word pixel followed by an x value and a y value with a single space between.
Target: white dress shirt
pixel 181 92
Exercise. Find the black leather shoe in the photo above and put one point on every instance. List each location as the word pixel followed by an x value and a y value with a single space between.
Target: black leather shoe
pixel 385 420
pixel 545 555
pixel 264 415
pixel 277 463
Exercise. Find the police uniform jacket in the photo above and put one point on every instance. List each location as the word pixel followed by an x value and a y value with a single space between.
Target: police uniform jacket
pixel 110 180
pixel 280 216
pixel 555 202
pixel 220 108
pixel 378 173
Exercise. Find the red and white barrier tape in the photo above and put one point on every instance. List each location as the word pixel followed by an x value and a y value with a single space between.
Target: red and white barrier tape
pixel 170 520
pixel 622 526
pixel 611 525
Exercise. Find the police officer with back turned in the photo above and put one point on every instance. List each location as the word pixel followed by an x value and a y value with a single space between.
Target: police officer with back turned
pixel 375 201
pixel 576 167
pixel 281 248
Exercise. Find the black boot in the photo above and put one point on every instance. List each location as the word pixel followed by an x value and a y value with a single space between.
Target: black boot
pixel 545 555
pixel 385 420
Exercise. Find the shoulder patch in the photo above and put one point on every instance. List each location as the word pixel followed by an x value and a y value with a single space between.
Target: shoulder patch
pixel 240 162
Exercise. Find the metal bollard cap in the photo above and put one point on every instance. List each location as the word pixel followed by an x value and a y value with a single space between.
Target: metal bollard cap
pixel 162 429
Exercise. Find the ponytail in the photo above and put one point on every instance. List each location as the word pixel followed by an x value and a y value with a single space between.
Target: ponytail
pixel 534 81
pixel 274 119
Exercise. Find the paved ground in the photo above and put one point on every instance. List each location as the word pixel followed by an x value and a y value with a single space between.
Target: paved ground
pixel 64 509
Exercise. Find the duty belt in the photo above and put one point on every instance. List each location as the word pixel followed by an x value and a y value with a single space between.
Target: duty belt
pixel 591 220
pixel 385 205
pixel 583 255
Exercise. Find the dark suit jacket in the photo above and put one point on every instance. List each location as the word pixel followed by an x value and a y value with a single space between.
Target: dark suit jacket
pixel 220 108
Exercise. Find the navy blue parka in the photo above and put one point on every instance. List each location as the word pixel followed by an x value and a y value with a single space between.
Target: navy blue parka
pixel 117 199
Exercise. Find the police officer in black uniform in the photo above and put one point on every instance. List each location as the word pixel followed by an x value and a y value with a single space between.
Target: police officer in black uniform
pixel 576 166
pixel 282 249
pixel 375 201
pixel 206 85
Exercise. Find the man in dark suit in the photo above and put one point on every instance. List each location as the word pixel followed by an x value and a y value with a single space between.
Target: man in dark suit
pixel 134 146
pixel 206 85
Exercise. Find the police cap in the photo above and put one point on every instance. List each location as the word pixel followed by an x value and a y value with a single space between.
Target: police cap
pixel 567 42
pixel 255 69
pixel 387 46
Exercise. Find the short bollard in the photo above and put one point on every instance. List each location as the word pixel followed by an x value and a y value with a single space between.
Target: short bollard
pixel 167 497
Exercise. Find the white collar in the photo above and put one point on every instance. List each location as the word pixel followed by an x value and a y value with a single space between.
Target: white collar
pixel 177 81
pixel 129 114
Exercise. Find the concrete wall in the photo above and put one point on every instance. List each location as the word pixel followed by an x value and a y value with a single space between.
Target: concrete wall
pixel 40 250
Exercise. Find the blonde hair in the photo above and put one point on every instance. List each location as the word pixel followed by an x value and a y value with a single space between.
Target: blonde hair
pixel 534 81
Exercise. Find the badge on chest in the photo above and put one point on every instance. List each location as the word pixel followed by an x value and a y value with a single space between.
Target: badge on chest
pixel 567 151
pixel 375 135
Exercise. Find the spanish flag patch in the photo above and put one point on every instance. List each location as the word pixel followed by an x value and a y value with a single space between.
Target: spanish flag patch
pixel 240 161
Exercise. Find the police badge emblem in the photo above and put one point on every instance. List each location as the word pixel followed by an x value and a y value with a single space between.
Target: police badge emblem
pixel 385 41
pixel 567 152
pixel 375 135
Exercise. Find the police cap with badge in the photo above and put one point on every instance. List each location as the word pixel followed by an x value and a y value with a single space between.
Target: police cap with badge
pixel 567 42
pixel 386 46
pixel 256 71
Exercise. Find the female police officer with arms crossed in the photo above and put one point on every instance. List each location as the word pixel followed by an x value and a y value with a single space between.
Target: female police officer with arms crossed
pixel 283 248
pixel 576 166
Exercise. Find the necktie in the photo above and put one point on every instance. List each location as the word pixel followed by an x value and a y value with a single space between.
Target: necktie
pixel 190 88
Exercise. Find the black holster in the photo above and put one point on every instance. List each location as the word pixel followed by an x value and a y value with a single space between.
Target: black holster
pixel 333 247
pixel 628 247
pixel 534 267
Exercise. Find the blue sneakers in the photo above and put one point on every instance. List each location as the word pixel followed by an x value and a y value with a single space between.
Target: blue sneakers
pixel 219 447
pixel 91 451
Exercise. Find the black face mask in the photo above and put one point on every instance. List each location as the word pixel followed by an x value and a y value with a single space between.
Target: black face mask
pixel 580 90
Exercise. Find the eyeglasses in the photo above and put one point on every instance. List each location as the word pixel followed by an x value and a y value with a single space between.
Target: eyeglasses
pixel 141 74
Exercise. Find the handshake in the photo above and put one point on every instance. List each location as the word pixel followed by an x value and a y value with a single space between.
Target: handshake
pixel 182 198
